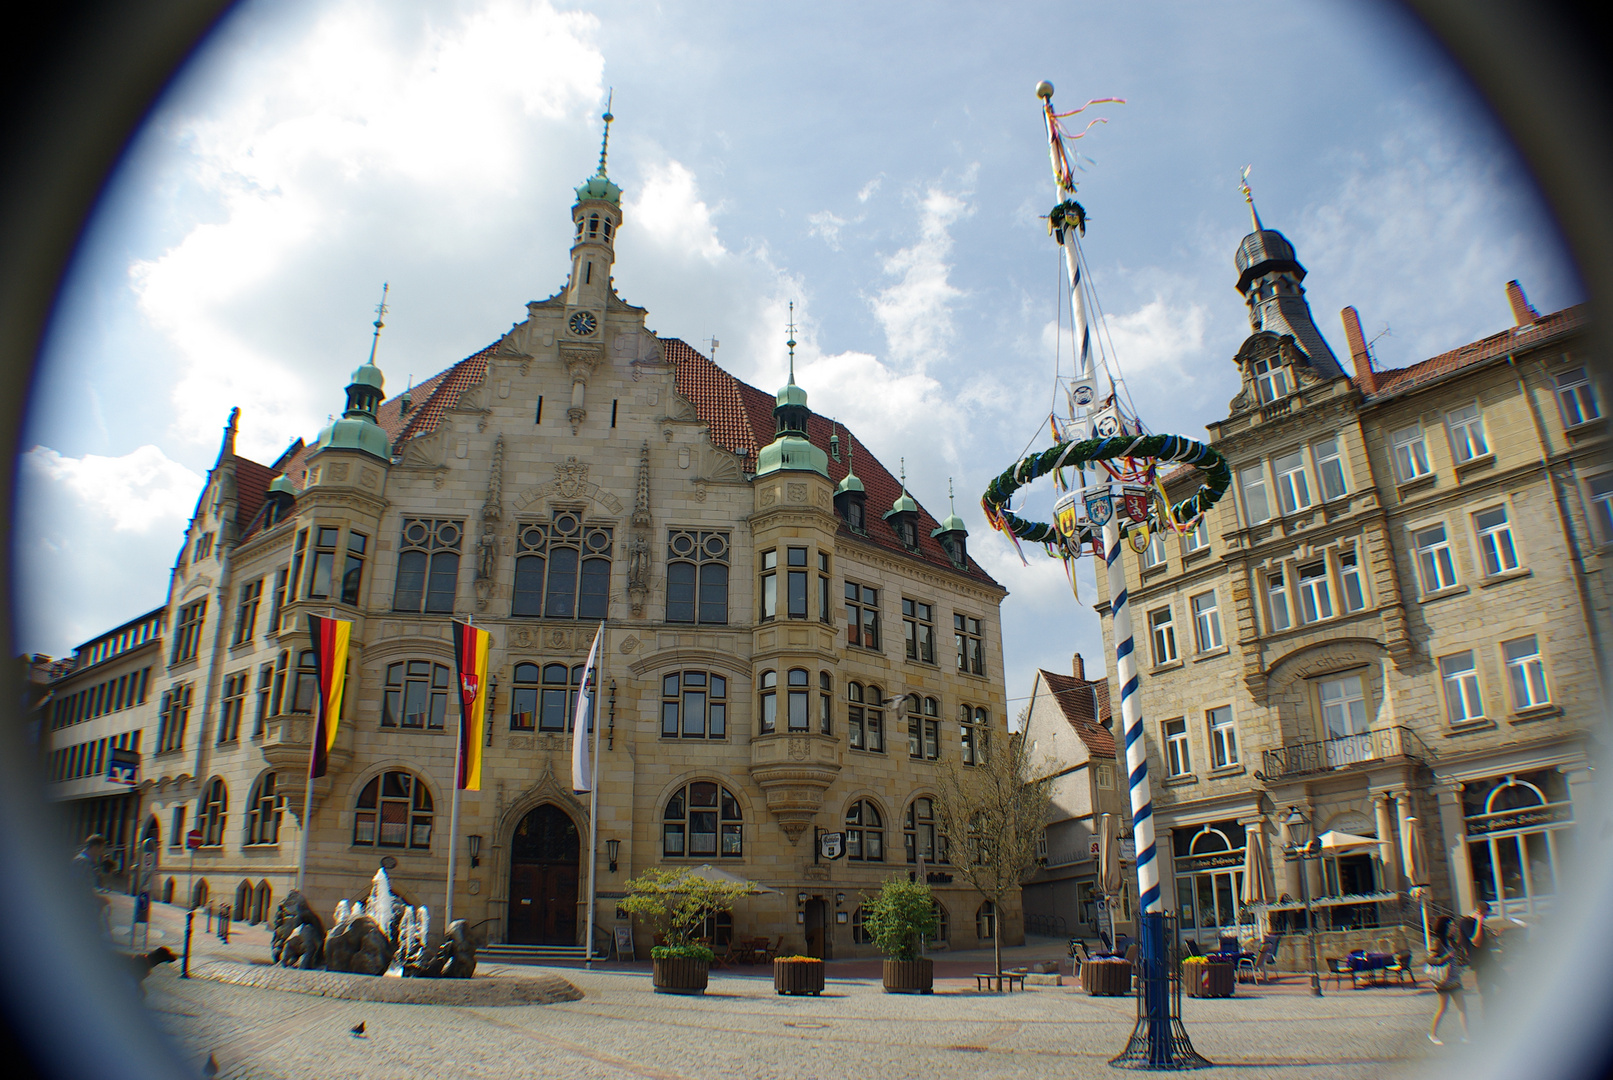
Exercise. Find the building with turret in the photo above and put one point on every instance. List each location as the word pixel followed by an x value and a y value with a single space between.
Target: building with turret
pixel 793 645
pixel 1393 622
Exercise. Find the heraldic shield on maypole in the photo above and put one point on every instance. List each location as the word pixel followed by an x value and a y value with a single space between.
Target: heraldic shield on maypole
pixel 1101 437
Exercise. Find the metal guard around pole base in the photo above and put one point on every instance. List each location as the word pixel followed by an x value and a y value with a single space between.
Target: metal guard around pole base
pixel 1159 1042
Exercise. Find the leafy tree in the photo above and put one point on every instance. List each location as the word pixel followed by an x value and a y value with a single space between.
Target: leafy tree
pixel 899 917
pixel 998 807
pixel 677 902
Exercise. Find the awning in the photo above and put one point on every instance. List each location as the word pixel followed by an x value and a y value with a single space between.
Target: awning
pixel 713 873
pixel 1339 901
pixel 1334 842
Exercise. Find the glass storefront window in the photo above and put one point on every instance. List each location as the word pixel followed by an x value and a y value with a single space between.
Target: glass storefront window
pixel 1515 827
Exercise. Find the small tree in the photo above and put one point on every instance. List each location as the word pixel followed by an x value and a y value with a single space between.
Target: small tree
pixel 677 902
pixel 998 809
pixel 899 917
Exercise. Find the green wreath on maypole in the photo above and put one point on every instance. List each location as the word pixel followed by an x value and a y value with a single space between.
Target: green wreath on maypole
pixel 1079 523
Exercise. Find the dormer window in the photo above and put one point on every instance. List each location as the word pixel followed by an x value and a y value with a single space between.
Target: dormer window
pixel 854 513
pixel 1272 379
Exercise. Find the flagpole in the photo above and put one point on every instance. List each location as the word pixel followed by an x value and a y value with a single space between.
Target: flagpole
pixel 307 809
pixel 593 810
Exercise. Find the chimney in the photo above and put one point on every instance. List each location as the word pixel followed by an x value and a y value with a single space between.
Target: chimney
pixel 1079 667
pixel 1523 313
pixel 1365 377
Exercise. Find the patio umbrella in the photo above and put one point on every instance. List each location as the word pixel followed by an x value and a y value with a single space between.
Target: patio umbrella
pixel 1416 867
pixel 1258 889
pixel 1109 865
pixel 1335 842
pixel 713 873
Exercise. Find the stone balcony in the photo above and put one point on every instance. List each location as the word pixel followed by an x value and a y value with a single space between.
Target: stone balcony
pixel 794 770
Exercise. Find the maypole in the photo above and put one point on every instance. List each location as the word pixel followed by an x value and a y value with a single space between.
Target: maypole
pixel 1101 433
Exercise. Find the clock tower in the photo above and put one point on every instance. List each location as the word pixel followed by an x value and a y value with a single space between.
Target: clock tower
pixel 596 216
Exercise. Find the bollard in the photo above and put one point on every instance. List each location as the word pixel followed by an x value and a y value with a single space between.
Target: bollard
pixel 224 914
pixel 184 964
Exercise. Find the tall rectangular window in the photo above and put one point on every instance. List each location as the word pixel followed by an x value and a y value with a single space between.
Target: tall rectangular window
pixel 1460 677
pixel 918 621
pixel 1410 453
pixel 1198 537
pixel 1526 671
pixel 1435 566
pixel 1293 488
pixel 1178 759
pixel 323 570
pixel 696 577
pixel 1163 633
pixel 923 728
pixel 305 691
pixel 428 566
pixel 562 569
pixel 1495 540
pixel 1466 426
pixel 353 571
pixel 694 705
pixel 865 726
pixel 174 717
pixel 769 583
pixel 1577 395
pixel 767 718
pixel 246 612
pixel 299 552
pixel 1329 467
pixel 799 716
pixel 1344 707
pixel 971 649
pixel 826 703
pixel 1601 492
pixel 230 709
pixel 1223 737
pixel 1271 379
pixel 1207 621
pixel 260 719
pixel 1252 484
pixel 862 616
pixel 825 589
pixel 1154 553
pixel 416 695
pixel 796 581
pixel 277 604
pixel 1315 596
pixel 188 632
pixel 1355 596
pixel 1277 601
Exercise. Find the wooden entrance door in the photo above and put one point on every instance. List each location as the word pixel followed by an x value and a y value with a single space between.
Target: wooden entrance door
pixel 817 928
pixel 544 853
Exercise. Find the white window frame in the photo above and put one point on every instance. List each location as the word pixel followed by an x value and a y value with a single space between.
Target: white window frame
pixel 1410 451
pixel 1459 678
pixel 1465 425
pixel 1223 733
pixel 1599 491
pixel 1198 537
pixel 1293 486
pixel 1154 554
pixel 1278 616
pixel 1498 552
pixel 1436 565
pixel 1162 633
pixel 1352 722
pixel 1273 380
pixel 1526 672
pixel 1178 756
pixel 1350 574
pixel 1315 593
pixel 1576 396
pixel 1207 622
pixel 1252 483
pixel 1335 458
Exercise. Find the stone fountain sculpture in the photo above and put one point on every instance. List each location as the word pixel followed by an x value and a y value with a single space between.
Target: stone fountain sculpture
pixel 375 936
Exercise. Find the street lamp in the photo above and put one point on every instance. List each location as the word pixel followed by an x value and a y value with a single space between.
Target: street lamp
pixel 1299 835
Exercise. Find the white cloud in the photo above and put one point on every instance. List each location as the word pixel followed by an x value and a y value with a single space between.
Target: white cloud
pixel 670 214
pixel 827 225
pixel 868 190
pixel 916 312
pixel 140 492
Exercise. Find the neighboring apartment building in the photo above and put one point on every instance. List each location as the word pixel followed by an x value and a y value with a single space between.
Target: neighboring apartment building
pixel 97 725
pixel 1394 620
pixel 794 645
pixel 1069 729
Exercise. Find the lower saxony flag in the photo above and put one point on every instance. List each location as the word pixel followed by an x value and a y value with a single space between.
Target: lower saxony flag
pixel 329 638
pixel 470 656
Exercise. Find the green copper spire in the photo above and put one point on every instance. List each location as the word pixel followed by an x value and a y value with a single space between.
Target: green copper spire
pixel 791 450
pixel 953 522
pixel 904 503
pixel 358 429
pixel 851 482
pixel 599 186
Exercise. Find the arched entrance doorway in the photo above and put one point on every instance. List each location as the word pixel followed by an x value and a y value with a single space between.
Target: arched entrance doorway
pixel 544 854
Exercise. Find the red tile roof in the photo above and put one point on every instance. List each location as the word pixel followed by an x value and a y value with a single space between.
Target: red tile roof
pixel 740 418
pixel 1076 698
pixel 1513 339
pixel 251 485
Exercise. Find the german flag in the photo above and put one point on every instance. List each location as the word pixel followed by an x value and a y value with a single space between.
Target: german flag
pixel 329 637
pixel 470 655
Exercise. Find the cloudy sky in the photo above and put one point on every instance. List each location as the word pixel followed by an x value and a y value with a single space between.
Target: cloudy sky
pixel 882 165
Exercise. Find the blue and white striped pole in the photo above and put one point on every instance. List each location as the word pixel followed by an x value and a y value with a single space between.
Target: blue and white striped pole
pixel 1131 721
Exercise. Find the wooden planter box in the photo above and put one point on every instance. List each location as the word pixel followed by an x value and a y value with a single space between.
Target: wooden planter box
pixel 798 976
pixel 910 976
pixel 680 975
pixel 1106 978
pixel 1209 980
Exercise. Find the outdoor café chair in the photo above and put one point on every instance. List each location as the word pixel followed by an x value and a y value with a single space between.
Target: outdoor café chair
pixel 1401 967
pixel 1260 965
pixel 1338 967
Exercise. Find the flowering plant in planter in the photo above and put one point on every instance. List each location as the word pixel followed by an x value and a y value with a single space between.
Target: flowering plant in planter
pixel 682 952
pixel 798 960
pixel 798 975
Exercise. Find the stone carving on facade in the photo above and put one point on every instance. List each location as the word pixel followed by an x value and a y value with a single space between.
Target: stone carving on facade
pixel 487 544
pixel 795 492
pixel 638 544
pixel 426 451
pixel 580 361
pixel 629 643
pixel 569 477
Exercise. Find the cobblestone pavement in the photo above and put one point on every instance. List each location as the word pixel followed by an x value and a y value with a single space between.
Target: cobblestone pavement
pixel 741 1029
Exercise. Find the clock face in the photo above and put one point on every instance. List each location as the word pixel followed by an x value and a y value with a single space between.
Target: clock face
pixel 583 323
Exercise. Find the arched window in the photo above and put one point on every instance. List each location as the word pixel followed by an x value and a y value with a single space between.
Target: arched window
pixel 702 819
pixel 215 808
pixel 767 718
pixel 942 927
pixel 393 810
pixel 263 812
pixel 920 834
pixel 865 723
pixel 800 715
pixel 593 225
pixel 262 910
pixel 168 891
pixel 416 695
pixel 428 566
pixel 986 921
pixel 694 705
pixel 697 577
pixel 974 732
pixel 923 728
pixel 199 894
pixel 562 569
pixel 524 698
pixel 243 902
pixel 865 832
pixel 1209 840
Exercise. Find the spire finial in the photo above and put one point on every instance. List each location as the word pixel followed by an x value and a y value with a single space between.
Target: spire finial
pixel 1249 197
pixel 791 342
pixel 904 474
pixel 952 501
pixel 380 316
pixel 604 145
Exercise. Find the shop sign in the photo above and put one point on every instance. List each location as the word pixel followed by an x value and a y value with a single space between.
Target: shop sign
pixel 1526 818
pixel 1218 860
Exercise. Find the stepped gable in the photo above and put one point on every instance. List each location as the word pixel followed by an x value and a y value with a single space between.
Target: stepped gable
pixel 1076 698
pixel 1532 335
pixel 740 418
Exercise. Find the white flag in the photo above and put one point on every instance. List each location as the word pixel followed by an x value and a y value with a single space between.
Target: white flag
pixel 582 772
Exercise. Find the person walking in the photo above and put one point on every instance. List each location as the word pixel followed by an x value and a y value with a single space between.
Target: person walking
pixel 1444 969
pixel 87 865
pixel 1479 937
